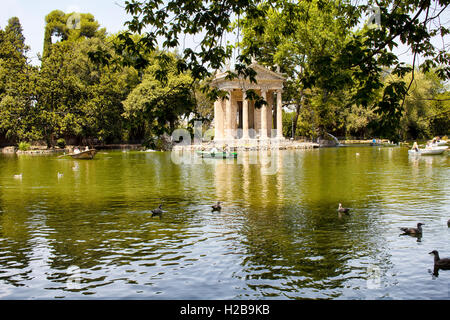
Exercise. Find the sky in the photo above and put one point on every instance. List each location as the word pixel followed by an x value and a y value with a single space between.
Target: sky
pixel 109 13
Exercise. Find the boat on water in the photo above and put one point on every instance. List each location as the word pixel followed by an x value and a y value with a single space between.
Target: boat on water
pixel 84 155
pixel 429 151
pixel 441 143
pixel 218 155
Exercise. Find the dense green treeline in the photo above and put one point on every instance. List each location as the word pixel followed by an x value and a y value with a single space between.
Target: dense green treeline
pixel 426 114
pixel 329 92
pixel 92 86
pixel 72 97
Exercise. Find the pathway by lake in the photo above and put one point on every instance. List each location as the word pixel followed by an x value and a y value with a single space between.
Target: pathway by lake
pixel 83 229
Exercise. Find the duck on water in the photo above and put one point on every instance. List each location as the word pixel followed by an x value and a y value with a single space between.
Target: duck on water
pixel 217 207
pixel 413 231
pixel 157 212
pixel 342 209
pixel 443 263
pixel 439 264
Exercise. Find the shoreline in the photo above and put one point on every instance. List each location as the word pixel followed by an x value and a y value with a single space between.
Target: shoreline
pixel 36 151
pixel 255 145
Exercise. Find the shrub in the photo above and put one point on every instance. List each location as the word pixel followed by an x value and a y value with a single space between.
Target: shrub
pixel 61 143
pixel 24 146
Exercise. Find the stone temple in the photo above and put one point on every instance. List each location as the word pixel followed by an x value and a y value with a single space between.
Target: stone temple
pixel 237 121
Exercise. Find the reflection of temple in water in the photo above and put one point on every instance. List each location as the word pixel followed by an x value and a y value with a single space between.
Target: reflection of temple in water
pixel 256 177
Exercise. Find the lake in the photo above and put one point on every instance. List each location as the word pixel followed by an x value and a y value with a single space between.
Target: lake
pixel 83 229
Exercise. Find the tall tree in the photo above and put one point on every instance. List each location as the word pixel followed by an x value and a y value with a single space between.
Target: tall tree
pixel 80 98
pixel 69 26
pixel 17 86
pixel 411 22
pixel 302 40
pixel 157 106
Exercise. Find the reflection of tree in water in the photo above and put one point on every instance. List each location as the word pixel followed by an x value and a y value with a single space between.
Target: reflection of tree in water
pixel 97 217
pixel 305 247
pixel 15 243
pixel 301 245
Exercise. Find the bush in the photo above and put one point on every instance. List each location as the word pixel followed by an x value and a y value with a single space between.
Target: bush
pixel 61 143
pixel 24 146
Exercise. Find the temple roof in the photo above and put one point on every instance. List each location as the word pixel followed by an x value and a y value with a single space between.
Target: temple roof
pixel 264 77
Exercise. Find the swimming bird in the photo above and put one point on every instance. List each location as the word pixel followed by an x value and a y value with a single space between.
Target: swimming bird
pixel 417 230
pixel 343 210
pixel 18 177
pixel 157 212
pixel 217 207
pixel 448 223
pixel 441 263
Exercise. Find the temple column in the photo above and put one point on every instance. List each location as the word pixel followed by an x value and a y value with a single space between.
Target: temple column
pixel 229 122
pixel 234 114
pixel 245 135
pixel 263 132
pixel 218 120
pixel 279 115
pixel 269 114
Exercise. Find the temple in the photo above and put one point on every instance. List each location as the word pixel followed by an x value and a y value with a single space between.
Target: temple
pixel 237 119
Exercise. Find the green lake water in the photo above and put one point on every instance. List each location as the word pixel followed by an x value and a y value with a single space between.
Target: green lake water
pixel 88 233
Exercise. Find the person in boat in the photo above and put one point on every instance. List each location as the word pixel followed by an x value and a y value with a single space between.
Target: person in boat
pixel 87 148
pixel 214 150
pixel 415 147
pixel 226 148
pixel 76 150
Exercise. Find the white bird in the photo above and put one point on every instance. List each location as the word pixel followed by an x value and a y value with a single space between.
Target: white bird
pixel 18 177
pixel 357 154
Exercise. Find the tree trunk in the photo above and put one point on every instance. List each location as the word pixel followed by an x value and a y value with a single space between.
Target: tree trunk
pixel 297 115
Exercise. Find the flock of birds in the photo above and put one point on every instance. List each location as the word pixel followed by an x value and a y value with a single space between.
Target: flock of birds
pixel 438 262
pixel 443 263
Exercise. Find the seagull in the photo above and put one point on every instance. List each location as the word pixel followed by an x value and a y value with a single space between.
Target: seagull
pixel 343 210
pixel 217 207
pixel 413 231
pixel 157 212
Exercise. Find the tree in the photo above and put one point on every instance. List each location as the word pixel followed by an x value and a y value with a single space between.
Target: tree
pixel 421 106
pixel 156 106
pixel 440 120
pixel 17 86
pixel 302 40
pixel 411 22
pixel 79 98
pixel 69 26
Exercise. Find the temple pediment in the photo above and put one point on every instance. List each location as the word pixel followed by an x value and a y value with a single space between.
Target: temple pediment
pixel 266 74
pixel 263 74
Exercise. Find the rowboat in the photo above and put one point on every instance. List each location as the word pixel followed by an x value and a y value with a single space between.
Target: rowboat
pixel 85 155
pixel 431 151
pixel 217 155
pixel 441 143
